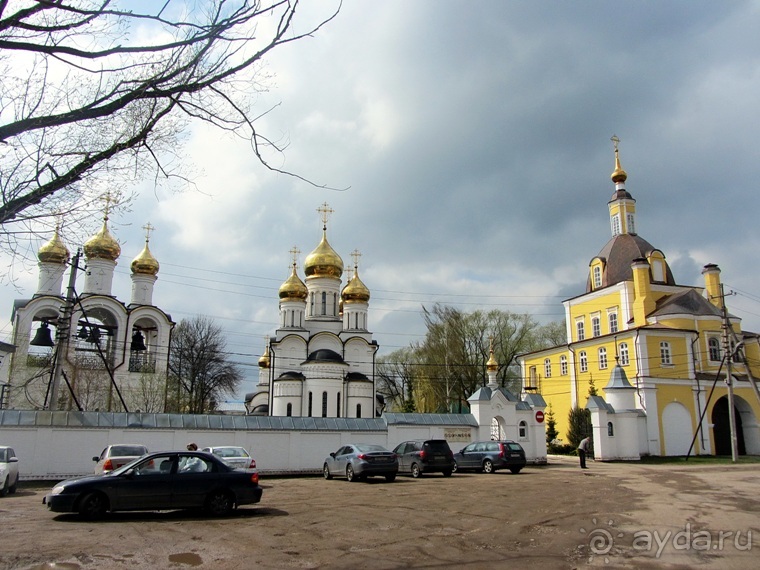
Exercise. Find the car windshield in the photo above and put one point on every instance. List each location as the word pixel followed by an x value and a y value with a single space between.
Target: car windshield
pixel 124 467
pixel 227 452
pixel 366 448
pixel 128 450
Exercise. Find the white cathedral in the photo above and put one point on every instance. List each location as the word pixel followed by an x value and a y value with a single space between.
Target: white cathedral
pixel 321 360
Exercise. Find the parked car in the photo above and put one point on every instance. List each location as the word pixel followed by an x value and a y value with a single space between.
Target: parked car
pixel 358 461
pixel 8 470
pixel 428 456
pixel 490 456
pixel 158 481
pixel 115 456
pixel 235 457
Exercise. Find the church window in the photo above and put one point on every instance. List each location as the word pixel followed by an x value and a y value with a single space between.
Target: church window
pixel 658 271
pixel 522 430
pixel 289 411
pixel 602 358
pixel 324 303
pixel 610 429
pixel 631 226
pixel 311 304
pixel 358 410
pixel 714 349
pixel 338 403
pixel 580 329
pixel 597 276
pixel 616 225
pixel 311 402
pixel 624 361
pixel 584 361
pixel 665 357
pixel 532 376
pixel 613 321
pixel 548 368
pixel 324 404
pixel 563 365
pixel 335 304
pixel 596 326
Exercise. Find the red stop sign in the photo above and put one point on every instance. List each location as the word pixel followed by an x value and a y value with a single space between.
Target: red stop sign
pixel 539 416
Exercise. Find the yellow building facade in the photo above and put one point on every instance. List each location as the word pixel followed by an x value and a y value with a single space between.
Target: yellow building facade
pixel 667 339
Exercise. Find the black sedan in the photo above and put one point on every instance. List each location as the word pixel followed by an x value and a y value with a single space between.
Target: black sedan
pixel 159 481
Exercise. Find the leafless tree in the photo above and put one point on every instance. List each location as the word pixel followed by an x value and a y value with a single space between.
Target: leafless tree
pixel 97 94
pixel 199 364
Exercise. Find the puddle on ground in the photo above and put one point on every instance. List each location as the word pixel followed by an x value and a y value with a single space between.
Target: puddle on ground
pixel 189 558
pixel 57 566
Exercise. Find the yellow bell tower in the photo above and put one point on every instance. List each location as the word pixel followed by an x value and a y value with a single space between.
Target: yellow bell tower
pixel 622 205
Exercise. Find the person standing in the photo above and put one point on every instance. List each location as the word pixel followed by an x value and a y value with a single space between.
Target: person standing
pixel 582 450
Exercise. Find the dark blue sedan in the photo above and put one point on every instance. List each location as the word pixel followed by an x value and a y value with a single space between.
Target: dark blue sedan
pixel 159 481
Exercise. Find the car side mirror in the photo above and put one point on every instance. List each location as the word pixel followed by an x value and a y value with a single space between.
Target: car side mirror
pixel 13 460
pixel 332 455
pixel 96 459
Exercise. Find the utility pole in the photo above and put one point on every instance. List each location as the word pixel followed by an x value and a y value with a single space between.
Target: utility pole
pixel 729 379
pixel 63 333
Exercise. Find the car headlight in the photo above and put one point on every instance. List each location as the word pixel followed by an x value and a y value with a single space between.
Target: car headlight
pixel 58 489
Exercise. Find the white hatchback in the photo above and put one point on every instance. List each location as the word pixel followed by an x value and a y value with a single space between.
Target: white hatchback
pixel 235 457
pixel 8 470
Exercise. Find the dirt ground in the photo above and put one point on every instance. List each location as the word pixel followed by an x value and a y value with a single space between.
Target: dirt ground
pixel 555 516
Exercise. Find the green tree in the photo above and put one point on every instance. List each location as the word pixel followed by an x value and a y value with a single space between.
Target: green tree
pixel 592 388
pixel 551 426
pixel 199 367
pixel 579 420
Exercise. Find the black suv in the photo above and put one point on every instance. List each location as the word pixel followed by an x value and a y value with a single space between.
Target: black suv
pixel 488 456
pixel 425 456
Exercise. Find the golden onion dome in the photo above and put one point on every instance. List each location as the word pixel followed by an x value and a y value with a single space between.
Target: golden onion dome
pixel 145 263
pixel 293 288
pixel 492 365
pixel 264 359
pixel 54 251
pixel 323 261
pixel 618 175
pixel 355 291
pixel 102 245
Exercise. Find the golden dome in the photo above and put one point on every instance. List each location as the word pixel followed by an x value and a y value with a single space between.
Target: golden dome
pixel 293 287
pixel 618 175
pixel 355 291
pixel 145 263
pixel 323 261
pixel 492 365
pixel 54 251
pixel 102 245
pixel 264 360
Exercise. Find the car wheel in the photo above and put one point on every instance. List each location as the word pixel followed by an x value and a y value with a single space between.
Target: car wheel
pixel 219 503
pixel 390 477
pixel 416 471
pixel 4 489
pixel 326 472
pixel 515 470
pixel 456 466
pixel 350 475
pixel 447 473
pixel 92 506
pixel 12 488
pixel 488 466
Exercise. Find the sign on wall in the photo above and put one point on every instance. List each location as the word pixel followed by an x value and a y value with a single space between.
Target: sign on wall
pixel 457 434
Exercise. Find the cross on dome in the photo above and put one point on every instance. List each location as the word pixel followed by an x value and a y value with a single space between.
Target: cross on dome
pixel 324 212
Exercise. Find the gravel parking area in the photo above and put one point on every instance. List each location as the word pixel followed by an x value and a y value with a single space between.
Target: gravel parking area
pixel 554 516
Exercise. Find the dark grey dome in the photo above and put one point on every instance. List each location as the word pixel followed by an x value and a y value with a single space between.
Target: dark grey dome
pixel 619 253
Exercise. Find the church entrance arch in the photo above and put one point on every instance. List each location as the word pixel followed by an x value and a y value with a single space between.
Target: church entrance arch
pixel 498 430
pixel 747 437
pixel 676 427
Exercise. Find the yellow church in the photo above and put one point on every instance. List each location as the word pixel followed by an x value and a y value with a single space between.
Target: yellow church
pixel 663 359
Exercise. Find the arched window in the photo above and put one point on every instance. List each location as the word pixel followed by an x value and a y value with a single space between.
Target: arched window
pixel 580 329
pixel 624 360
pixel 338 405
pixel 597 277
pixel 613 321
pixel 358 410
pixel 522 430
pixel 714 347
pixel 311 401
pixel 602 358
pixel 610 429
pixel 615 224
pixel 324 404
pixel 563 365
pixel 547 368
pixel 584 361
pixel 324 303
pixel 335 304
pixel 665 358
pixel 289 411
pixel 631 224
pixel 596 326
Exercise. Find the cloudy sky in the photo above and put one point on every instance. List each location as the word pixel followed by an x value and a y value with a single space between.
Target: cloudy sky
pixel 471 142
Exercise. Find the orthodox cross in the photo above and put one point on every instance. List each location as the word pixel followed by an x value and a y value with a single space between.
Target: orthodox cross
pixel 294 251
pixel 615 141
pixel 148 228
pixel 324 211
pixel 356 254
